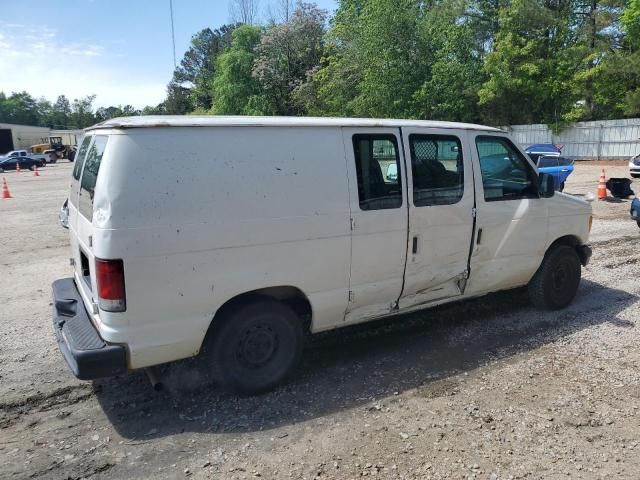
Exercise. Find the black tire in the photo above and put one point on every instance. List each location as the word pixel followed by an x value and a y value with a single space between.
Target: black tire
pixel 256 347
pixel 32 167
pixel 556 282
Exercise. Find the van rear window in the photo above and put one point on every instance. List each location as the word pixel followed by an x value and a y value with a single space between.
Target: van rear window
pixel 90 175
pixel 77 170
pixel 82 152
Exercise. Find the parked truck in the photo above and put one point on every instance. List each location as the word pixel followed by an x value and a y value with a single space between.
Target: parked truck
pixel 62 144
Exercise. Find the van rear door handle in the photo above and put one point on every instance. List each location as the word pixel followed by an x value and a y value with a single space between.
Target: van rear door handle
pixel 479 236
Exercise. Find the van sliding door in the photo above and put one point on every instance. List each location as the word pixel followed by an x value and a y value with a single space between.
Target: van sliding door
pixel 378 204
pixel 441 214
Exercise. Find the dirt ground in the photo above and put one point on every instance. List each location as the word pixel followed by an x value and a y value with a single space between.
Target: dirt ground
pixel 488 388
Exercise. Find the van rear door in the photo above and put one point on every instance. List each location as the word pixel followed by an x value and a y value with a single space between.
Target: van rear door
pixel 441 214
pixel 85 174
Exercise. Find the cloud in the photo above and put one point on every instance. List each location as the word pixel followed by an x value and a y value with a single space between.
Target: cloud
pixel 49 67
pixel 82 50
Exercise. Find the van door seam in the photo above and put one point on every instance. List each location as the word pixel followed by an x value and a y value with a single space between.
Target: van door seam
pixel 474 209
pixel 406 243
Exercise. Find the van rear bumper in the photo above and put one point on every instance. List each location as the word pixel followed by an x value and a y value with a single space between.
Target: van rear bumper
pixel 86 353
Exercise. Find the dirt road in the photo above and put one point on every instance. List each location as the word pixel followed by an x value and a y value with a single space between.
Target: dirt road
pixel 489 388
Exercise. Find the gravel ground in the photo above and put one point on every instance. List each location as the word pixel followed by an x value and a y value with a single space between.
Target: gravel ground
pixel 488 388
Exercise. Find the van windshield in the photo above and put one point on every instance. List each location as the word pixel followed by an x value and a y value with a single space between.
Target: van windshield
pixel 90 175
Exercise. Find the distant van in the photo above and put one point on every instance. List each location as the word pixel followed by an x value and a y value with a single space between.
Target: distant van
pixel 234 237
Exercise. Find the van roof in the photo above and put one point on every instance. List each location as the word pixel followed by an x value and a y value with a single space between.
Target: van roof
pixel 153 121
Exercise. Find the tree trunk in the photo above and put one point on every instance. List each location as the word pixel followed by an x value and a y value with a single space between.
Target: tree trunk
pixel 588 87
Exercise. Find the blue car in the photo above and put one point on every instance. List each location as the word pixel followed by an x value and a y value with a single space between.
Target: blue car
pixel 635 210
pixel 559 168
pixel 543 150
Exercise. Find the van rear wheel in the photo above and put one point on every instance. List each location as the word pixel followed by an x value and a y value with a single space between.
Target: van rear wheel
pixel 256 347
pixel 555 284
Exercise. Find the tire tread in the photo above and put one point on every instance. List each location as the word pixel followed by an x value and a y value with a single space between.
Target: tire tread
pixel 538 284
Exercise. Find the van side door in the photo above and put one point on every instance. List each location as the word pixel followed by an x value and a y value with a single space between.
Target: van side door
pixel 379 221
pixel 441 209
pixel 512 219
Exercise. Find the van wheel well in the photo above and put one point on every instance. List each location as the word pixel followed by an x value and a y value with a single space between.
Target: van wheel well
pixel 293 297
pixel 568 240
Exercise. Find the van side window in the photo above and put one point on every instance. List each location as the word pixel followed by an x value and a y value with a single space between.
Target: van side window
pixel 506 175
pixel 90 175
pixel 378 171
pixel 437 169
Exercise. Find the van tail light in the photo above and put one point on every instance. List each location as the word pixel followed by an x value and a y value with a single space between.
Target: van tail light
pixel 110 283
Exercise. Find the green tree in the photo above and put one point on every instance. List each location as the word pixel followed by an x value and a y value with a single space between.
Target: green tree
pixel 390 58
pixel 20 108
pixel 530 70
pixel 61 112
pixel 617 76
pixel 177 101
pixel 197 68
pixel 332 86
pixel 45 112
pixel 451 91
pixel 159 109
pixel 82 112
pixel 235 90
pixel 374 62
pixel 286 53
pixel 105 113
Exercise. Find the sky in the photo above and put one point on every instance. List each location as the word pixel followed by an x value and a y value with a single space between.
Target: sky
pixel 119 50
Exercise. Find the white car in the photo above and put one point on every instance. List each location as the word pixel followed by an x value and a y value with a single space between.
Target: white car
pixel 634 166
pixel 234 237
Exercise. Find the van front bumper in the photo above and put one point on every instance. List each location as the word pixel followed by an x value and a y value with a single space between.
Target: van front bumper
pixel 86 353
pixel 584 252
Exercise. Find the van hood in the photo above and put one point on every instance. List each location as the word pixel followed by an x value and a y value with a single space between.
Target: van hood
pixel 566 204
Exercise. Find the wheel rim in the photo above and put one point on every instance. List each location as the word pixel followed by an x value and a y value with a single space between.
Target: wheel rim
pixel 559 277
pixel 257 346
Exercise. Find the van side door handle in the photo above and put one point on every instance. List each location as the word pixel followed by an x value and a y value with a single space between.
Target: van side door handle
pixel 479 236
pixel 414 248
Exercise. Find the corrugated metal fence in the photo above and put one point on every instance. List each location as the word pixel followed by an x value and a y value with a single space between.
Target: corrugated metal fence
pixel 602 140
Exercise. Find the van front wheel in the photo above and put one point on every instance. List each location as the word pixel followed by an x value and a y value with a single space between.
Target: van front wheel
pixel 256 347
pixel 555 284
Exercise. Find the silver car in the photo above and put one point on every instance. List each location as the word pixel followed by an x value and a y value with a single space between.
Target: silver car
pixel 634 166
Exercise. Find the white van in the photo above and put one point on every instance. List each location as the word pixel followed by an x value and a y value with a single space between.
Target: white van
pixel 234 237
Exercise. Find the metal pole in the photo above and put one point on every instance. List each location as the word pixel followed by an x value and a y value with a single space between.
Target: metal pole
pixel 600 141
pixel 173 35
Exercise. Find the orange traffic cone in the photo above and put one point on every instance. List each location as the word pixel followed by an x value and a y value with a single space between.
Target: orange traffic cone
pixel 602 187
pixel 5 189
pixel 35 171
pixel 18 167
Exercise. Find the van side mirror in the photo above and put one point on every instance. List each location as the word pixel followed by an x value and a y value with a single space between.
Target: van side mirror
pixel 546 185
